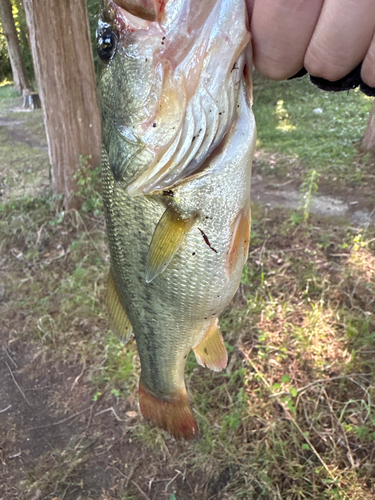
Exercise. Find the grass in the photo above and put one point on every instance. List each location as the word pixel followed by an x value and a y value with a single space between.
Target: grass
pixel 299 123
pixel 7 93
pixel 292 417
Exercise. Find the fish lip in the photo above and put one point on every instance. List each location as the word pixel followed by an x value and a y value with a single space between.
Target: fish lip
pixel 147 12
pixel 122 17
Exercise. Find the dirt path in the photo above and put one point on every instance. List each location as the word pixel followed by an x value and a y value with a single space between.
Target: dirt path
pixel 352 206
pixel 19 122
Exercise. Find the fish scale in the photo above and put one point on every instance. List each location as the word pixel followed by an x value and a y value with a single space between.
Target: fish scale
pixel 178 251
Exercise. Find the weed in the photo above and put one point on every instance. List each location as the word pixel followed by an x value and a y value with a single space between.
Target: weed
pixel 309 188
pixel 119 371
pixel 88 180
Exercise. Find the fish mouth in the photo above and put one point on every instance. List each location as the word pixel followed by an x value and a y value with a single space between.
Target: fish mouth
pixel 195 65
pixel 146 10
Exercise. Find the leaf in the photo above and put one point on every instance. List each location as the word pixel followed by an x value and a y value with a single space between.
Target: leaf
pixel 293 391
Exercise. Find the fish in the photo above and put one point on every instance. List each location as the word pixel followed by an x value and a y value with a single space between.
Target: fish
pixel 178 137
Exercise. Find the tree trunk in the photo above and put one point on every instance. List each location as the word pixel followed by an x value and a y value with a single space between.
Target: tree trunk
pixel 9 29
pixel 368 141
pixel 63 62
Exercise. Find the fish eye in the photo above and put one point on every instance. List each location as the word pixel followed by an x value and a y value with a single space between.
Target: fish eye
pixel 106 44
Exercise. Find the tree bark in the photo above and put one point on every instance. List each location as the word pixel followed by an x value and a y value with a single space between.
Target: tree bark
pixel 368 141
pixel 9 29
pixel 61 49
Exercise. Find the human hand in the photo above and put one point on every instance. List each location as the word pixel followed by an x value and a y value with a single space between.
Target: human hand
pixel 327 37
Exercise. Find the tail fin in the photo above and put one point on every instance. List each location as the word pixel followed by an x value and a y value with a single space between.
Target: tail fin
pixel 172 414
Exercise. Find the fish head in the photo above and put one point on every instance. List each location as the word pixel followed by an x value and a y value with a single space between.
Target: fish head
pixel 167 88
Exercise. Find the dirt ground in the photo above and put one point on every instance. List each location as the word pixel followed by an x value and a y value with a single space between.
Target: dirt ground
pixel 47 407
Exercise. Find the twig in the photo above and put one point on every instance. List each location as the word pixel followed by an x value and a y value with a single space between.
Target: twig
pixel 349 451
pixel 128 478
pixel 114 413
pixel 316 382
pixel 282 184
pixel 78 377
pixel 87 428
pixel 139 489
pixel 5 409
pixel 62 421
pixel 39 233
pixel 10 357
pixel 17 384
pixel 173 478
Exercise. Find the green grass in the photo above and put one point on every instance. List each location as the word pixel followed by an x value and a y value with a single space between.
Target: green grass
pixel 304 125
pixel 7 91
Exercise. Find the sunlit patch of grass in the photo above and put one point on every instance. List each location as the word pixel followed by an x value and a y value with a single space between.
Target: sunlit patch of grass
pixel 7 90
pixel 362 262
pixel 313 129
pixel 282 114
pixel 333 123
pixel 8 96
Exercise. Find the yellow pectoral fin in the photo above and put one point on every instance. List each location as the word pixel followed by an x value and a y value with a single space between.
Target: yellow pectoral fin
pixel 166 240
pixel 118 320
pixel 211 352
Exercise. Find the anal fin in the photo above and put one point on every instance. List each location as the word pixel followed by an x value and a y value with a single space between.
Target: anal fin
pixel 118 320
pixel 211 351
pixel 166 240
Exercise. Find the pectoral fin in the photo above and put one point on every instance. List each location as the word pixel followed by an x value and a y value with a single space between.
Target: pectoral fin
pixel 118 320
pixel 211 352
pixel 167 239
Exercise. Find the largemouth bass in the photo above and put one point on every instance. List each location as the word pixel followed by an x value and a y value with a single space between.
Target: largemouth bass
pixel 178 136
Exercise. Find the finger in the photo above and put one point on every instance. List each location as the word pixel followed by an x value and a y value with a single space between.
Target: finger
pixel 250 6
pixel 368 66
pixel 341 38
pixel 281 31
